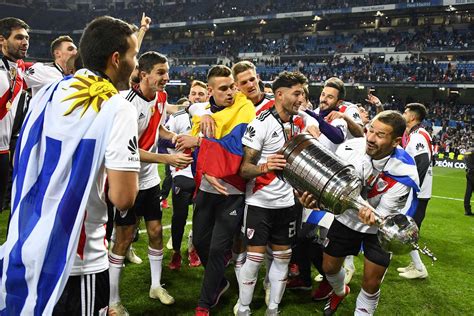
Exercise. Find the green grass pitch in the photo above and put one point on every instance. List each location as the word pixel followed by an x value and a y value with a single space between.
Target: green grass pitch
pixel 449 289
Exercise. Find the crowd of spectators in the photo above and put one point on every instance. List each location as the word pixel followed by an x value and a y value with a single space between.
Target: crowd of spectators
pixel 194 10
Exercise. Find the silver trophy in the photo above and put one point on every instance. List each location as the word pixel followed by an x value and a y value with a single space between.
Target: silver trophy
pixel 336 187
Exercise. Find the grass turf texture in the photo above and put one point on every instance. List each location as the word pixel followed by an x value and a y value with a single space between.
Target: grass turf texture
pixel 447 291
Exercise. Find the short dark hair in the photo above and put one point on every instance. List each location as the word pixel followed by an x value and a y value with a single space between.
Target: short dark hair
pixel 56 43
pixel 7 25
pixel 148 60
pixel 218 71
pixel 102 37
pixel 287 79
pixel 337 84
pixel 419 110
pixel 394 119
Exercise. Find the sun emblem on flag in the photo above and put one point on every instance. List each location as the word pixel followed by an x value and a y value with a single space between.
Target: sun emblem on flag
pixel 92 92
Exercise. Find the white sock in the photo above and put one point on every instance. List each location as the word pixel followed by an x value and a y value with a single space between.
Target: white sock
pixel 349 262
pixel 239 259
pixel 268 263
pixel 156 258
pixel 415 257
pixel 278 276
pixel 115 269
pixel 337 282
pixel 248 277
pixel 366 303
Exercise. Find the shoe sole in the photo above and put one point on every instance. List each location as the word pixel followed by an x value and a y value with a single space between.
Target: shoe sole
pixel 226 287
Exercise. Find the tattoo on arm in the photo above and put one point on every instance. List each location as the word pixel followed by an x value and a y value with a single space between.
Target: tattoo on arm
pixel 249 168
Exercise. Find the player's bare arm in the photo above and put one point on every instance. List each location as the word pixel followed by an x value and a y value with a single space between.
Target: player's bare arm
pixel 249 168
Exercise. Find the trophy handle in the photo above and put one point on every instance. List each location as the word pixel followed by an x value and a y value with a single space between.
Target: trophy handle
pixel 360 202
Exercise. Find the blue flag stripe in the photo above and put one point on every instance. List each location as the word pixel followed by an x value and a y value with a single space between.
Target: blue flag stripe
pixel 28 217
pixel 315 217
pixel 21 164
pixel 56 252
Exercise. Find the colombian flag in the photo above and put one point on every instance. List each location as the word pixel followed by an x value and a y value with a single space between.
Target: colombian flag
pixel 221 156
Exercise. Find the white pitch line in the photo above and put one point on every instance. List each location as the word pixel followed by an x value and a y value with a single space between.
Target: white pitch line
pixel 448 198
pixel 142 231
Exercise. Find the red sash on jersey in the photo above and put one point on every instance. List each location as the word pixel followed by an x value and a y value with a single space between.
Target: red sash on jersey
pixel 149 135
pixel 9 94
pixel 267 106
pixel 382 185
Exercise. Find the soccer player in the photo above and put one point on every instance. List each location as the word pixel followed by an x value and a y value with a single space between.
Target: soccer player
pixel 58 207
pixel 219 201
pixel 14 42
pixel 183 181
pixel 417 142
pixel 149 99
pixel 269 215
pixel 388 176
pixel 40 74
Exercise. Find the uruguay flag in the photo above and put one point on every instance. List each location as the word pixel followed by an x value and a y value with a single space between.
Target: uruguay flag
pixel 59 154
pixel 221 156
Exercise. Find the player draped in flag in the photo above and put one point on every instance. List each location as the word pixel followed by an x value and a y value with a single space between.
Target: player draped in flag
pixel 220 198
pixel 14 41
pixel 78 130
pixel 149 99
pixel 270 216
pixel 390 183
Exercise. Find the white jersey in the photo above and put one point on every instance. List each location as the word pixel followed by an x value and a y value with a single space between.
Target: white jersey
pixel 11 85
pixel 266 103
pixel 267 134
pixel 41 74
pixel 418 143
pixel 180 123
pixel 386 195
pixel 352 111
pixel 91 251
pixel 148 132
pixel 339 123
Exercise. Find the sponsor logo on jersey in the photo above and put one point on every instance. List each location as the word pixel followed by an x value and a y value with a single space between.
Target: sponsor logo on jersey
pixel 133 148
pixel 250 233
pixel 275 134
pixel 141 116
pixel 420 146
pixel 250 131
pixel 356 115
pixel 233 213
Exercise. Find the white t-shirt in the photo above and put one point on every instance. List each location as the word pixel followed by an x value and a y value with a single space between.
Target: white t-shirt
pixel 179 123
pixel 39 75
pixel 419 142
pixel 8 71
pixel 91 254
pixel 267 134
pixel 145 109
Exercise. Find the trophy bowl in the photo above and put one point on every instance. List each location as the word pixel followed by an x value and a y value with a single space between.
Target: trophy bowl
pixel 336 187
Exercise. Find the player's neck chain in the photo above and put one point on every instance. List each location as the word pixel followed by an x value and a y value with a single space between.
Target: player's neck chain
pixel 275 114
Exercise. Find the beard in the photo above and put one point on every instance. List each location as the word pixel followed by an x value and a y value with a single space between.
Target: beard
pixel 123 77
